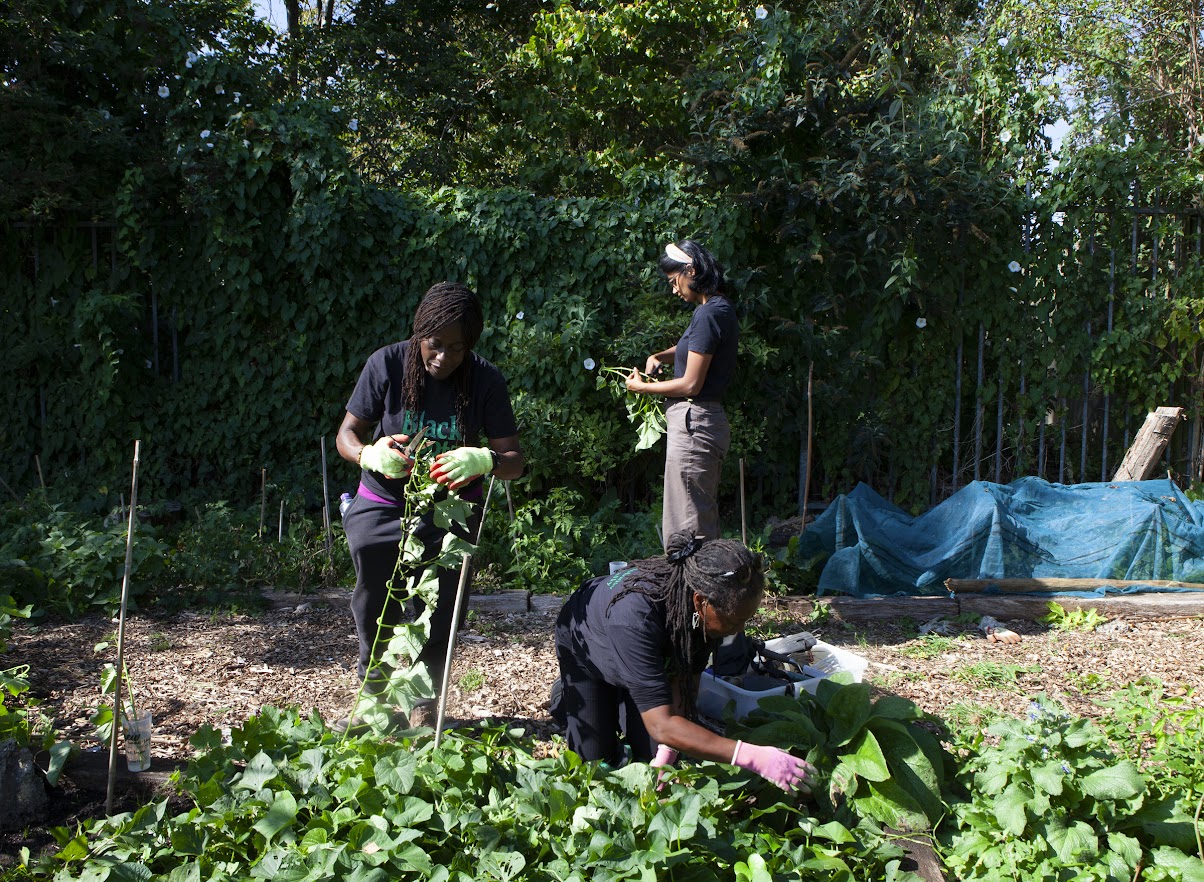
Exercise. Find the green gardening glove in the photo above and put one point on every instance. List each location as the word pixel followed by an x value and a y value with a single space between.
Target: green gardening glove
pixel 384 459
pixel 455 468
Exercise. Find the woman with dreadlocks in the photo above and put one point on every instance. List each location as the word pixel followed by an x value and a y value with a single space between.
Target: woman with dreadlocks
pixel 632 645
pixel 434 381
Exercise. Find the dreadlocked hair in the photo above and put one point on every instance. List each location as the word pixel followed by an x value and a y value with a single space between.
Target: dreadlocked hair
pixel 724 572
pixel 444 303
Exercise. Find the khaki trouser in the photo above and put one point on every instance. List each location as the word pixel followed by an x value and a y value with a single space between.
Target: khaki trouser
pixel 698 437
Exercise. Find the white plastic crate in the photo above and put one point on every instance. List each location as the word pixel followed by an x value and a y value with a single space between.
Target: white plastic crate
pixel 715 692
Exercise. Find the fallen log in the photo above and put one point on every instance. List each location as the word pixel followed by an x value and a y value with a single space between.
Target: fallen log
pixel 1029 586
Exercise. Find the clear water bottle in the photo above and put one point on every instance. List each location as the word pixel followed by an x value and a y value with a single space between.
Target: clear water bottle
pixel 345 503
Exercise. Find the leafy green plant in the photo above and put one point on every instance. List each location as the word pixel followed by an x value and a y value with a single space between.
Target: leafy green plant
pixel 472 680
pixel 928 646
pixel 1161 732
pixel 102 716
pixel 285 794
pixel 645 411
pixel 993 675
pixel 1061 619
pixel 557 541
pixel 873 759
pixel 1048 794
pixel 71 563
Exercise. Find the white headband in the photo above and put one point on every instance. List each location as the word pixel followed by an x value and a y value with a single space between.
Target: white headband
pixel 675 253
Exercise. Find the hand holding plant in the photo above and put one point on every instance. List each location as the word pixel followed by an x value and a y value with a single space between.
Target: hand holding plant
pixel 643 410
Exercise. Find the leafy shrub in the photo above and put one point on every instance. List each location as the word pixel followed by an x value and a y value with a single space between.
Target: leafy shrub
pixel 551 546
pixel 219 557
pixel 71 564
pixel 1049 797
pixel 877 762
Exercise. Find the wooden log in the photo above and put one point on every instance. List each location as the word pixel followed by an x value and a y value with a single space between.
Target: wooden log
pixel 515 601
pixel 1001 606
pixel 871 608
pixel 1128 606
pixel 1141 460
pixel 1007 586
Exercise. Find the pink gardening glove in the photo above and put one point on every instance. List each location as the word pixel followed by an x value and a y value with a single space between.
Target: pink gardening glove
pixel 782 768
pixel 665 756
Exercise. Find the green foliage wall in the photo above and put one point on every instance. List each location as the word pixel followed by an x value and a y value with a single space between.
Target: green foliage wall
pixel 867 174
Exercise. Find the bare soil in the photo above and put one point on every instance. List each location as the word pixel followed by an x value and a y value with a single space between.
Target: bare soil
pixel 194 668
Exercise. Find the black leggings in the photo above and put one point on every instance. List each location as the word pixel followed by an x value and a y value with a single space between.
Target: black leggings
pixel 373 536
pixel 594 713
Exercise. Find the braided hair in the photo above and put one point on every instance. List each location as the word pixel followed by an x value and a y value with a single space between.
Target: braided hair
pixel 444 303
pixel 724 572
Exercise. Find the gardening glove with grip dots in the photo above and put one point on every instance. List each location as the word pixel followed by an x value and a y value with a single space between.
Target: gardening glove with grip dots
pixel 455 468
pixel 383 459
pixel 782 768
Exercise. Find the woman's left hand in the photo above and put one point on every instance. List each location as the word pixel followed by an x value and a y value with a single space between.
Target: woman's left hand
pixel 634 382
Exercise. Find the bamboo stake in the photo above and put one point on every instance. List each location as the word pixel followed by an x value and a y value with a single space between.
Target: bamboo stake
pixel 263 498
pixel 37 460
pixel 461 591
pixel 743 517
pixel 10 490
pixel 280 524
pixel 807 476
pixel 125 594
pixel 326 507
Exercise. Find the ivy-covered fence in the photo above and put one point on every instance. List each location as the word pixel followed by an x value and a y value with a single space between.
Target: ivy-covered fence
pixel 228 339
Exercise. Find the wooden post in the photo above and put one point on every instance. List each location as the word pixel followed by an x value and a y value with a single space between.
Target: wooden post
pixel 1141 460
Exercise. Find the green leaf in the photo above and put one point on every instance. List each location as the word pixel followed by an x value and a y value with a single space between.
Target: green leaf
pixel 1074 842
pixel 865 757
pixel 1120 781
pixel 1011 809
pixel 259 771
pixel 396 771
pixel 848 709
pixel 283 812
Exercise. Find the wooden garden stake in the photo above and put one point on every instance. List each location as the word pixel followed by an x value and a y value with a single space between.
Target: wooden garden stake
pixel 263 498
pixel 807 476
pixel 461 592
pixel 280 524
pixel 326 507
pixel 125 594
pixel 37 460
pixel 743 517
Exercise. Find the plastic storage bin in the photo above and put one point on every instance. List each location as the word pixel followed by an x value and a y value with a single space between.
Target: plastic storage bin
pixel 715 692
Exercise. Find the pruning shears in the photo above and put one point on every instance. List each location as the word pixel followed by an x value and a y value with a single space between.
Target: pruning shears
pixel 410 449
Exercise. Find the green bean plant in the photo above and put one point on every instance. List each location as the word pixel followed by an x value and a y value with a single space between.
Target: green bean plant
pixel 415 577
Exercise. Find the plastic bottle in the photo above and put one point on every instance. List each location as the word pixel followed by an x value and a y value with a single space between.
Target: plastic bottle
pixel 345 503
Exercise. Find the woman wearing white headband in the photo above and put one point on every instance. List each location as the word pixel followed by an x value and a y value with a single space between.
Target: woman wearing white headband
pixel 704 363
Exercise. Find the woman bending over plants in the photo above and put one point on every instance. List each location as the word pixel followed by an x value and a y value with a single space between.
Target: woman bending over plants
pixel 632 645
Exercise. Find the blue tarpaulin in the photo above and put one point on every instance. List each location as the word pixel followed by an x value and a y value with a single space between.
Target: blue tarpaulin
pixel 1129 530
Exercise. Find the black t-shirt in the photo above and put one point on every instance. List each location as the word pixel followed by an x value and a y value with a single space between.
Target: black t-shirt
pixel 625 645
pixel 378 397
pixel 714 330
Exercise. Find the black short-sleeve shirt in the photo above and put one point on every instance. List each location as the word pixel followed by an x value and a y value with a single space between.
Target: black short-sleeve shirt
pixel 379 398
pixel 714 330
pixel 625 644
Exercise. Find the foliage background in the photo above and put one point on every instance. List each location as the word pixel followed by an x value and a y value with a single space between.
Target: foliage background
pixel 211 225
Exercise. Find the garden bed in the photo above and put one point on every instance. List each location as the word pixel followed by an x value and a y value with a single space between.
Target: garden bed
pixel 218 669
